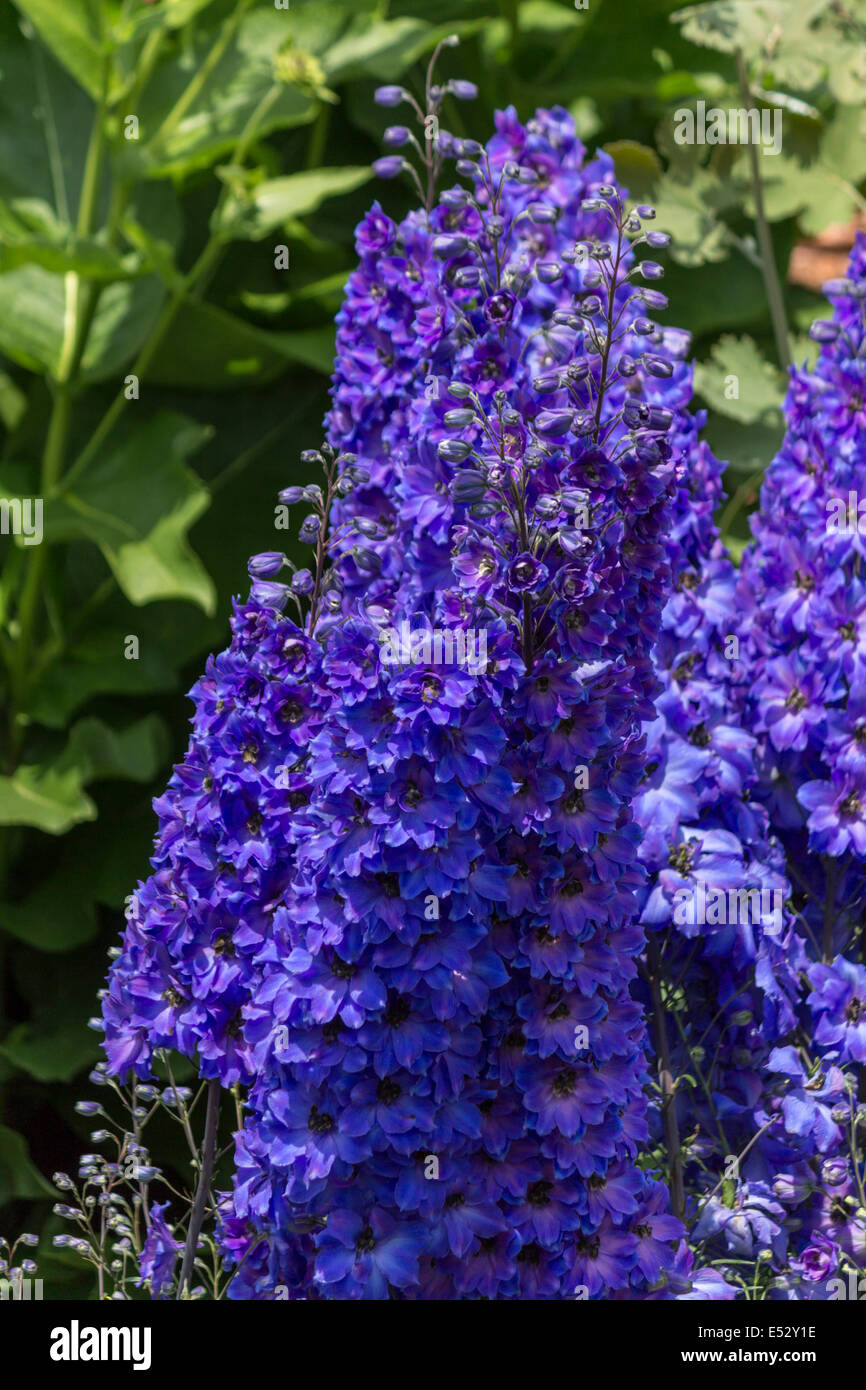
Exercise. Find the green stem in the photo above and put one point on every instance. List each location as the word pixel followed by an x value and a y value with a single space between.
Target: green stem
pixel 193 284
pixel 56 439
pixel 319 137
pixel 772 284
pixel 666 1082
pixel 197 84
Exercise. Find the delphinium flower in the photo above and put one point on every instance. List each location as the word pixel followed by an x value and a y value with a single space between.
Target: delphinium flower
pixel 591 580
pixel 453 1099
pixel 800 693
pixel 720 975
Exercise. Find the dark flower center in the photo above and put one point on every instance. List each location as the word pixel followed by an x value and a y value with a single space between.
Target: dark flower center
pixel 851 806
pixel 456 1199
pixel 538 1194
pixel 699 736
pixel 387 1091
pixel 853 1010
pixel 397 1012
pixel 796 700
pixel 366 1241
pixel 430 689
pixel 564 1084
pixel 573 804
pixel 390 885
pixel 342 968
pixel 680 858
pixel 224 946
pixel 683 671
pixel 320 1122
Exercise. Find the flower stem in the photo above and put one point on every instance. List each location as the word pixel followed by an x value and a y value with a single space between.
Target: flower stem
pixel 772 284
pixel 666 1082
pixel 208 1156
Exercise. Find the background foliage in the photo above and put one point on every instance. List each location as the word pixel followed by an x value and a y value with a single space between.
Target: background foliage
pixel 143 251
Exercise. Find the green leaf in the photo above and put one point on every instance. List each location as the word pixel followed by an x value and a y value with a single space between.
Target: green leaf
pixel 385 49
pixel 273 202
pixel 51 797
pixel 59 915
pixel 177 141
pixel 31 233
pixel 746 449
pixel 210 349
pixel 137 503
pixel 52 1050
pixel 19 1178
pixel 100 752
pixel 97 664
pixel 740 383
pixel 70 28
pixel 637 167
pixel 47 798
pixel 32 321
pixel 56 1042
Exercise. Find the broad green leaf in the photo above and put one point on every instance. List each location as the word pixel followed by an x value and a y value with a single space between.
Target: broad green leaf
pixel 97 664
pixel 132 754
pixel 747 449
pixel 19 1178
pixel 71 29
pixel 547 17
pixel 815 191
pixel 13 402
pixel 137 502
pixel 686 211
pixel 740 383
pixel 31 234
pixel 52 1049
pixel 51 797
pixel 638 168
pixel 272 203
pixel 59 915
pixel 178 138
pixel 327 292
pixel 211 349
pixel 46 798
pixel 33 304
pixel 843 145
pixel 99 862
pixel 56 1043
pixel 385 50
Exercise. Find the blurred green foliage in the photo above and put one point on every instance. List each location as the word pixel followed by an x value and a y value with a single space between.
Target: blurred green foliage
pixel 159 371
